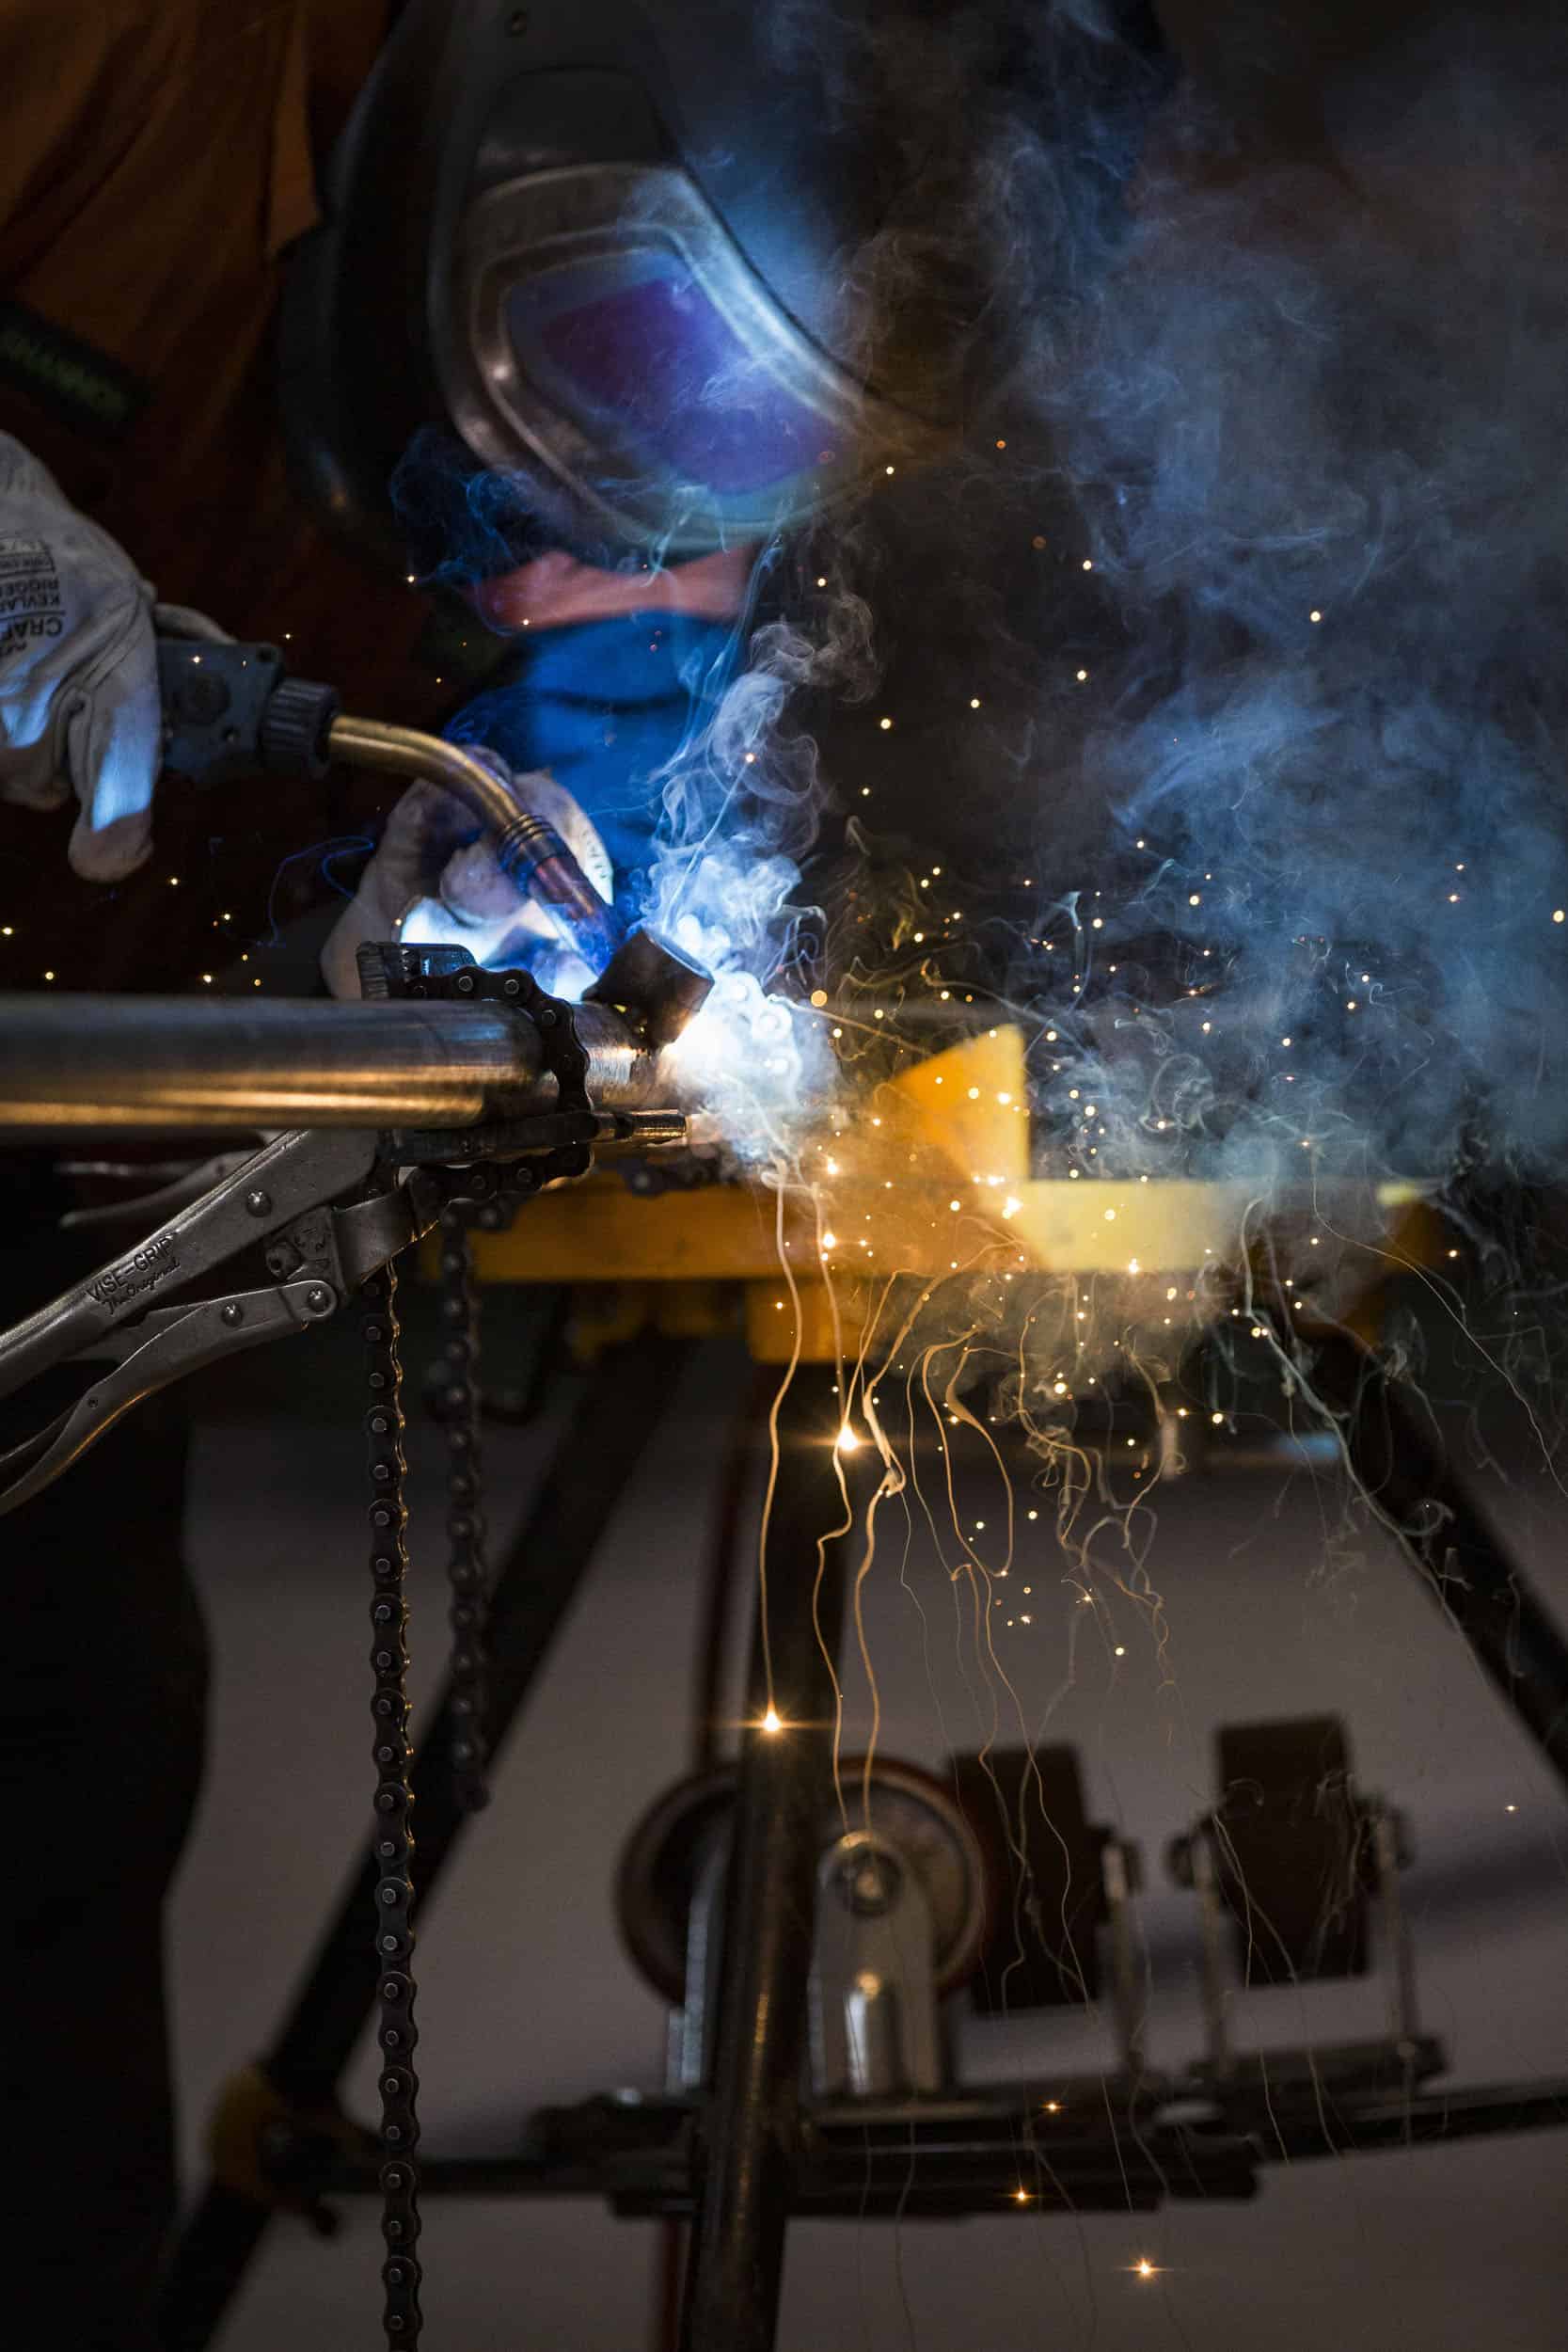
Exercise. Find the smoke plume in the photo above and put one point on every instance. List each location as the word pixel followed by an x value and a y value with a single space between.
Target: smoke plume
pixel 1269 378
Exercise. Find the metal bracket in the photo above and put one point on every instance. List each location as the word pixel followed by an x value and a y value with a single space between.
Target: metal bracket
pixel 874 2009
pixel 876 2028
pixel 1196 1862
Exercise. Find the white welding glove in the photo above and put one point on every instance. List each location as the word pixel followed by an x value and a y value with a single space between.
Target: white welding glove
pixel 79 704
pixel 435 880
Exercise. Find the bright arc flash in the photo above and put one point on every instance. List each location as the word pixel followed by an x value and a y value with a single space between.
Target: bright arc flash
pixel 770 1721
pixel 1144 2268
pixel 847 1441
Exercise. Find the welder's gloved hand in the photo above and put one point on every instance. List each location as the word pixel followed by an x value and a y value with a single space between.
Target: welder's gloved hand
pixel 427 831
pixel 79 706
pixel 434 859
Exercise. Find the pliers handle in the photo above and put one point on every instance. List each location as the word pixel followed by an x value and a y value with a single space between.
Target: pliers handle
pixel 166 1345
pixel 329 1213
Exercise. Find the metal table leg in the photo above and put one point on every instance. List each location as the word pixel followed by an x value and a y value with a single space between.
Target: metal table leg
pixel 599 1454
pixel 1400 1459
pixel 748 2135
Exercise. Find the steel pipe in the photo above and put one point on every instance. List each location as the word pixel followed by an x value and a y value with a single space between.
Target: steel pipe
pixel 173 1063
pixel 750 2143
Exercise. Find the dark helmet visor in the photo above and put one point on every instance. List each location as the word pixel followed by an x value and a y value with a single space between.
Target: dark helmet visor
pixel 601 325
pixel 634 346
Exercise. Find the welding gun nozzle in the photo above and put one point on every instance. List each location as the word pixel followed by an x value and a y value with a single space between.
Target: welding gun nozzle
pixel 533 856
pixel 654 985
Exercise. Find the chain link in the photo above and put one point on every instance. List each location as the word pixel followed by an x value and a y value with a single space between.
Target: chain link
pixel 488 1196
pixel 394 1798
pixel 467 1569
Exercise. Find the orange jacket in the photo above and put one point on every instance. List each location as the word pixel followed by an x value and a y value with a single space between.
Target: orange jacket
pixel 158 160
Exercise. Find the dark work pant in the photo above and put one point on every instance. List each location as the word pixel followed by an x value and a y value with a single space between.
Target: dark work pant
pixel 103 1692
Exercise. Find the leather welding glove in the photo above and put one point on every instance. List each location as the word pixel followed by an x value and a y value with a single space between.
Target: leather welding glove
pixel 435 860
pixel 79 705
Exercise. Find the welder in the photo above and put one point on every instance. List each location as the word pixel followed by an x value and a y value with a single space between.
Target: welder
pixel 590 305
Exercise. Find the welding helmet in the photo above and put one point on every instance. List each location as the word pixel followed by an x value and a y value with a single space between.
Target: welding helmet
pixel 612 257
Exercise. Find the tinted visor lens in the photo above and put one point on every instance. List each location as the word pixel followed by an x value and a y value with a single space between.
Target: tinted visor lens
pixel 632 348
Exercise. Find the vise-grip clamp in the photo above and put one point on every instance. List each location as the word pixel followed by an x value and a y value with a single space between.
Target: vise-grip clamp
pixel 323 1208
pixel 320 1196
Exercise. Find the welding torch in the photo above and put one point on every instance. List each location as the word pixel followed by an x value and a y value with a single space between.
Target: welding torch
pixel 231 709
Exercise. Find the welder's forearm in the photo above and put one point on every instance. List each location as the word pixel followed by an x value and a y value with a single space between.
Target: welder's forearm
pixel 177 1062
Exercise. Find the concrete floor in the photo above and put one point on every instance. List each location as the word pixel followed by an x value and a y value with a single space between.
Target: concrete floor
pixel 526 1997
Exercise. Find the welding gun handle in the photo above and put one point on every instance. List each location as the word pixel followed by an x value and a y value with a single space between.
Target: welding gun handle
pixel 229 711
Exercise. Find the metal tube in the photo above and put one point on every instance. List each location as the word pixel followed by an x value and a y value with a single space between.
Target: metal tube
pixel 172 1063
pixel 750 2143
pixel 1211 1913
pixel 153 1062
pixel 1126 1991
pixel 1398 1957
